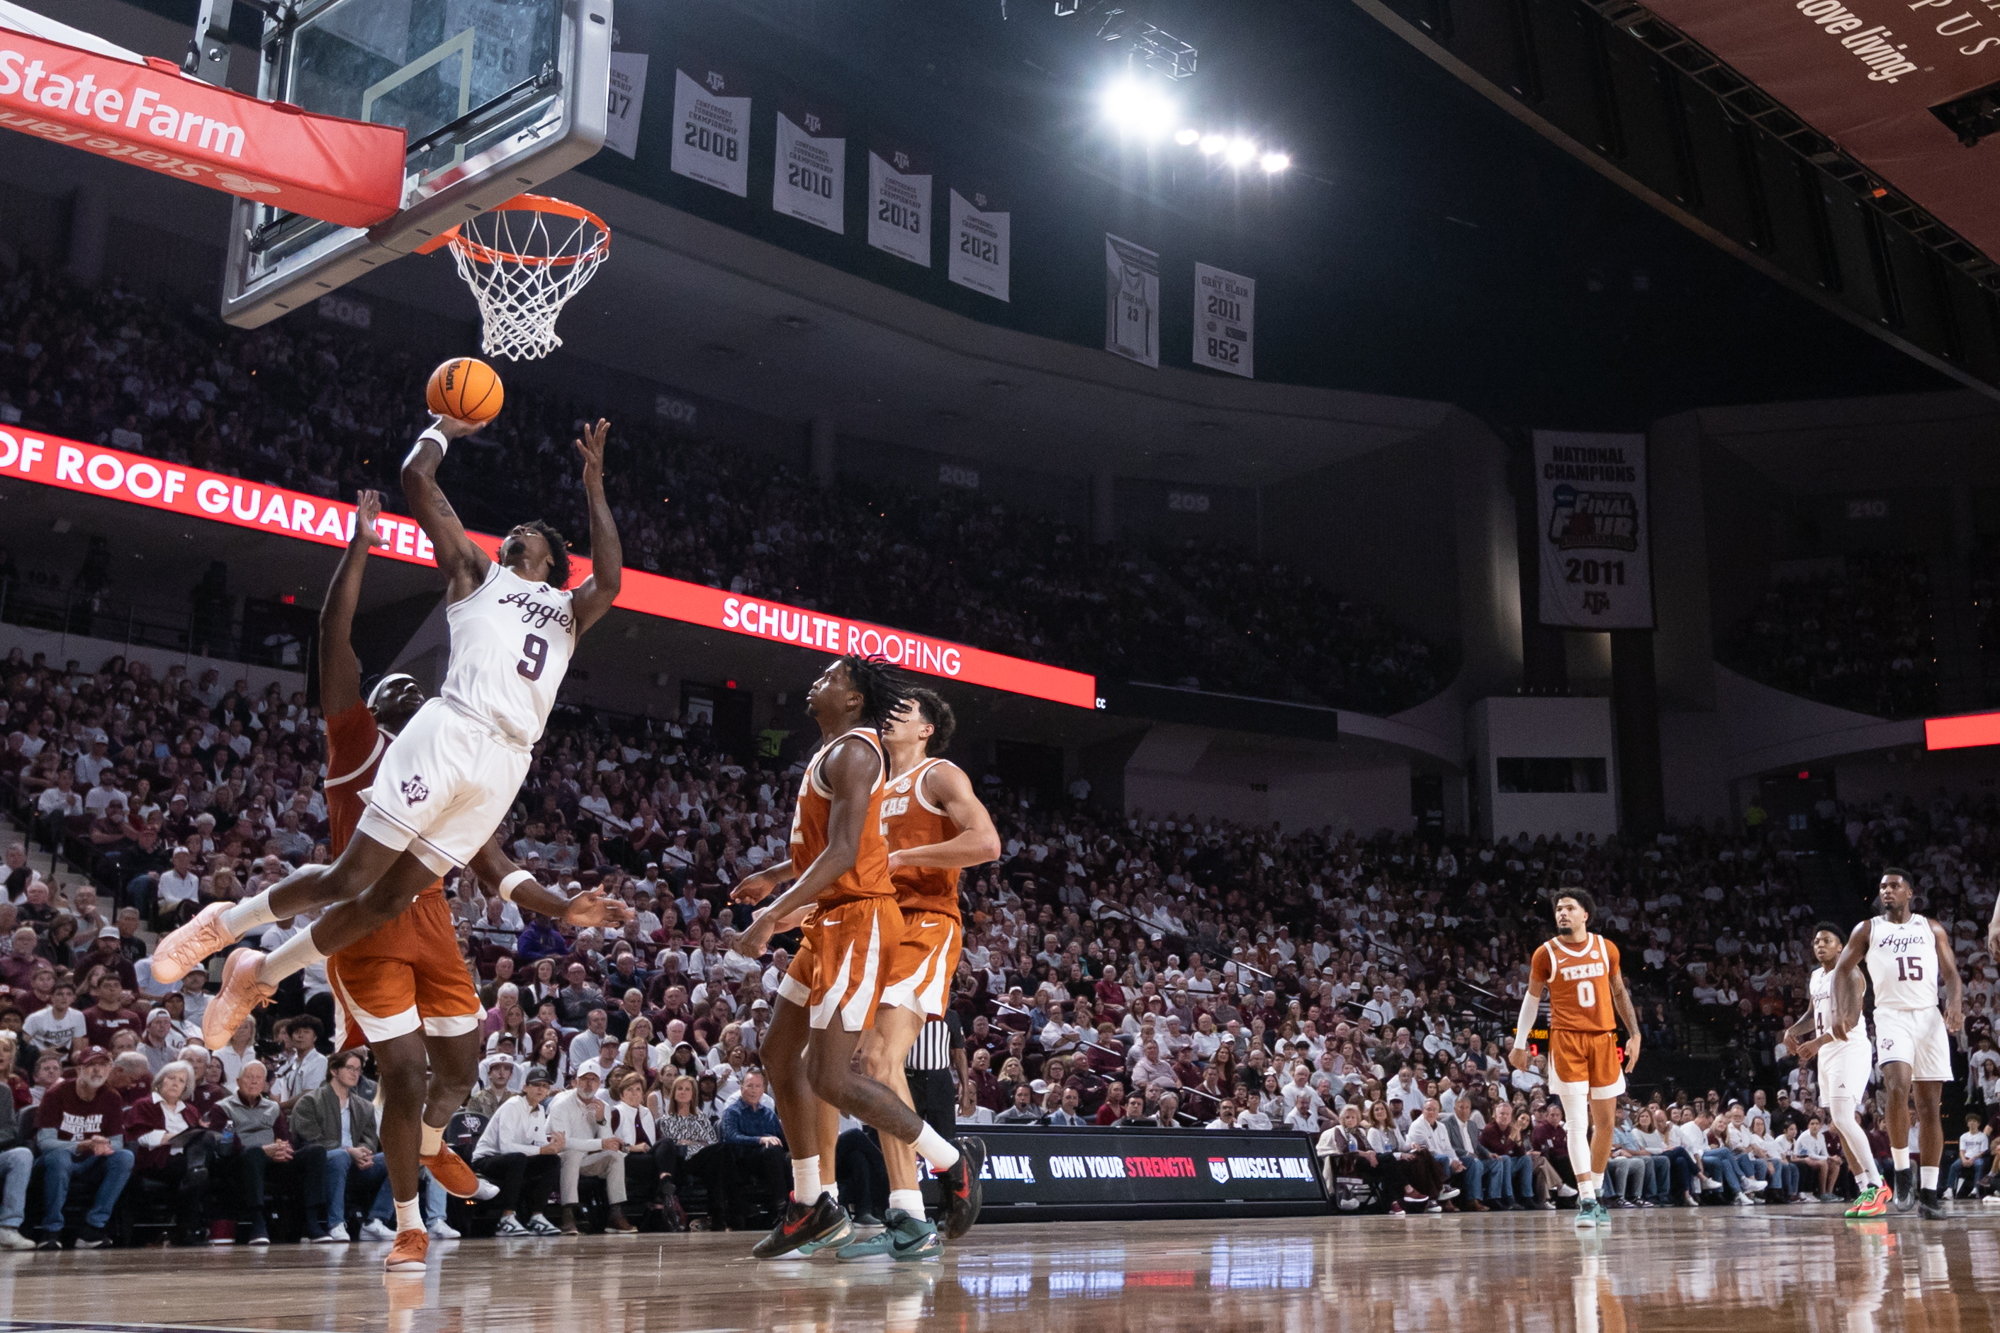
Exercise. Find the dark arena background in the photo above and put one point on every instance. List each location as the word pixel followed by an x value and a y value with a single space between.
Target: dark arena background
pixel 1450 547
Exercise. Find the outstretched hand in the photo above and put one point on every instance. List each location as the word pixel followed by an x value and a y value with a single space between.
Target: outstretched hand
pixel 454 429
pixel 367 508
pixel 593 907
pixel 591 446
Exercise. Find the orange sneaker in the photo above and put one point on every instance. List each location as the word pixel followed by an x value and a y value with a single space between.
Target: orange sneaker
pixel 186 946
pixel 448 1169
pixel 241 993
pixel 407 1255
pixel 1874 1202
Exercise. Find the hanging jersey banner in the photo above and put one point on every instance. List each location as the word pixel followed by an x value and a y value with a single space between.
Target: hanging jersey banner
pixel 1225 320
pixel 628 99
pixel 1590 495
pixel 899 202
pixel 978 244
pixel 1131 301
pixel 810 179
pixel 712 126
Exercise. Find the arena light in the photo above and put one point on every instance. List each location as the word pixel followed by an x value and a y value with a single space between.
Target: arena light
pixel 1140 108
pixel 1241 153
pixel 1211 144
pixel 1274 162
pixel 1187 138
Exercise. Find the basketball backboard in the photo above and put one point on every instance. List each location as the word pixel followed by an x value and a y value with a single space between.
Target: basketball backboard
pixel 495 96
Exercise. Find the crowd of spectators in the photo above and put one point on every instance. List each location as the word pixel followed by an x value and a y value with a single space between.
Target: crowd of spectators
pixel 1857 637
pixel 1141 968
pixel 321 408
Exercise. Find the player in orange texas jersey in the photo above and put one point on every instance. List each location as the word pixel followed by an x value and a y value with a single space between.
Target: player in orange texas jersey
pixel 1587 998
pixel 935 827
pixel 403 990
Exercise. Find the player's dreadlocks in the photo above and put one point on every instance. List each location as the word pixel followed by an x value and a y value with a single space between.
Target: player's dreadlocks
pixel 558 551
pixel 883 686
pixel 931 705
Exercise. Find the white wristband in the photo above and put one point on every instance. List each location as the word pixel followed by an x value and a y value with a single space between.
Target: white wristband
pixel 514 881
pixel 433 433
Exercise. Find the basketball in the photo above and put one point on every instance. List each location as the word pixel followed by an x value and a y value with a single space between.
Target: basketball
pixel 466 388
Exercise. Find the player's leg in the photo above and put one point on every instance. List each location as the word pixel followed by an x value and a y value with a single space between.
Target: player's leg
pixel 1896 1082
pixel 404 1066
pixel 809 1217
pixel 907 1233
pixel 1930 1140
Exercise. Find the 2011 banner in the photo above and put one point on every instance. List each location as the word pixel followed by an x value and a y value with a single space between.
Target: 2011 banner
pixel 112 474
pixel 1596 533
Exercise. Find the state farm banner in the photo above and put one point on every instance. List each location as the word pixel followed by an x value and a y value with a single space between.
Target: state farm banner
pixel 153 116
pixel 112 474
pixel 810 175
pixel 899 199
pixel 1867 73
pixel 1596 533
pixel 712 124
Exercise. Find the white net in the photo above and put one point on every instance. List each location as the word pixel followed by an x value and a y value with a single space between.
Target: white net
pixel 523 265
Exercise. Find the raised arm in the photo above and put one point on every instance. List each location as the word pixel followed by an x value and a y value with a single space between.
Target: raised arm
pixel 976 844
pixel 462 563
pixel 607 557
pixel 1847 996
pixel 850 771
pixel 339 668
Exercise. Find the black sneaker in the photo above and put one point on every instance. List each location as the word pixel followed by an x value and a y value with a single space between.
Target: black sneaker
pixel 1929 1206
pixel 1906 1188
pixel 797 1225
pixel 90 1238
pixel 50 1243
pixel 962 1189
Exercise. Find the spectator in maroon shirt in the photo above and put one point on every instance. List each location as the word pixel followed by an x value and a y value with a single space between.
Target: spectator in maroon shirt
pixel 109 1016
pixel 1113 1105
pixel 79 1135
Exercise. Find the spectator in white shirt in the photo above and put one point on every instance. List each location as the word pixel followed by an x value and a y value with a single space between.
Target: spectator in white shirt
pixel 178 894
pixel 1973 1147
pixel 1428 1134
pixel 58 1026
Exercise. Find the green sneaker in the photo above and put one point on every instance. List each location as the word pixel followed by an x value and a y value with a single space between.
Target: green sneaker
pixel 1591 1214
pixel 1874 1202
pixel 902 1237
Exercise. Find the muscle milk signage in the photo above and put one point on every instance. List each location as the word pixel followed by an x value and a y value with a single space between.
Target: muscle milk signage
pixel 1596 533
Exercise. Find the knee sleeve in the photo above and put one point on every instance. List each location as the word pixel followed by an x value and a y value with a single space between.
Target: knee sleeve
pixel 1576 1115
pixel 1854 1144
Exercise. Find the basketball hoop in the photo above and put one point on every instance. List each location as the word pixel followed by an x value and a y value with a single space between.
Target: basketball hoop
pixel 523 261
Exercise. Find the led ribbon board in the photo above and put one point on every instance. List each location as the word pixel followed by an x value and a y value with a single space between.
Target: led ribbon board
pixel 110 474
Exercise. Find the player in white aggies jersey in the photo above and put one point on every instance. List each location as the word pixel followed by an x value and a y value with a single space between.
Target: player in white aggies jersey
pixel 1844 1067
pixel 1907 956
pixel 451 774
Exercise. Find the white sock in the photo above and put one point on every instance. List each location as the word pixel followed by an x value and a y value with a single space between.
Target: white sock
pixel 433 1142
pixel 249 914
pixel 935 1149
pixel 832 1190
pixel 908 1201
pixel 295 955
pixel 1586 1188
pixel 805 1180
pixel 409 1217
pixel 1927 1177
pixel 1899 1158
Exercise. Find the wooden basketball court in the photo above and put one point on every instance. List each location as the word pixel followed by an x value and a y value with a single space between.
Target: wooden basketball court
pixel 1771 1269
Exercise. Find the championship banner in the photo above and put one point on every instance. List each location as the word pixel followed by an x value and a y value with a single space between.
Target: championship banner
pixel 151 115
pixel 712 125
pixel 810 178
pixel 979 233
pixel 151 483
pixel 1590 496
pixel 1131 301
pixel 1225 320
pixel 899 201
pixel 628 100
pixel 1154 1169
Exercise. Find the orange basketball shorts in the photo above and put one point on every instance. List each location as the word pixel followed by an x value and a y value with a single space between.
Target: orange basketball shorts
pixel 1585 1061
pixel 843 961
pixel 406 977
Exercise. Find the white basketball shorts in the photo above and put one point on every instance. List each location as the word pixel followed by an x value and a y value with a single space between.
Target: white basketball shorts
pixel 1843 1069
pixel 442 787
pixel 1917 1038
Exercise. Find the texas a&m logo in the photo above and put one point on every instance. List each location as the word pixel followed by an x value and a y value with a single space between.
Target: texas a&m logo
pixel 414 790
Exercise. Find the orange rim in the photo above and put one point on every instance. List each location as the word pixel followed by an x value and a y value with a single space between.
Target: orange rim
pixel 526 203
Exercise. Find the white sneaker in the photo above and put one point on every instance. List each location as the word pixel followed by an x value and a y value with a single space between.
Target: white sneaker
pixel 12 1239
pixel 541 1226
pixel 1567 1191
pixel 339 1233
pixel 374 1229
pixel 1744 1201
pixel 1990 1201
pixel 1448 1193
pixel 1756 1186
pixel 511 1226
pixel 487 1189
pixel 442 1230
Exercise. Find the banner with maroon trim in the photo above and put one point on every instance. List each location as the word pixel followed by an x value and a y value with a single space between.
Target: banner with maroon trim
pixel 133 479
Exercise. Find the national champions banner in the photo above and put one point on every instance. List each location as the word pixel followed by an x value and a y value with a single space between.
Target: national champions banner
pixel 1596 532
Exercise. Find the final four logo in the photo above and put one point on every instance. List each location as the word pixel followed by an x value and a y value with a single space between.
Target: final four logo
pixel 1594 520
